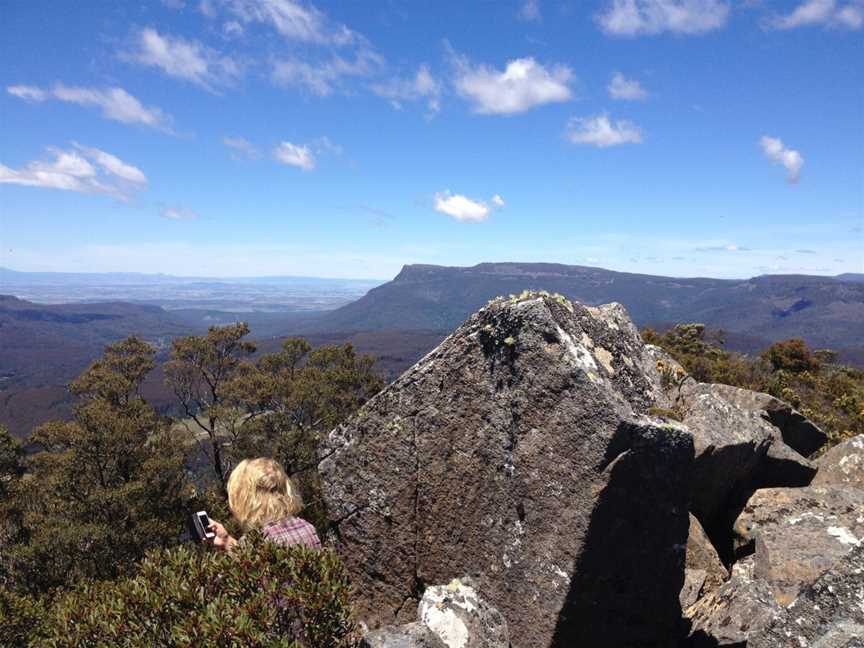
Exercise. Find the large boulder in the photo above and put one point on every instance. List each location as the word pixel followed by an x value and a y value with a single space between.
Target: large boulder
pixel 449 616
pixel 519 449
pixel 797 431
pixel 843 464
pixel 827 614
pixel 799 533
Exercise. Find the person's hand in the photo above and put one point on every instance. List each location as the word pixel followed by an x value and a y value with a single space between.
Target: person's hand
pixel 223 539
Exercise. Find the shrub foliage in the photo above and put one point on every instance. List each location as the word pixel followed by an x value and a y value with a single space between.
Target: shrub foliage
pixel 261 594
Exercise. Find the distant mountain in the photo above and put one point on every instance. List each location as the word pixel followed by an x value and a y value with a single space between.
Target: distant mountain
pixel 850 276
pixel 825 311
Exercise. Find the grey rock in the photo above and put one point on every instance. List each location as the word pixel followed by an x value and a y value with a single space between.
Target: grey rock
pixel 702 556
pixel 409 635
pixel 799 533
pixel 829 613
pixel 843 464
pixel 519 448
pixel 694 583
pixel 782 466
pixel 730 444
pixel 730 614
pixel 798 432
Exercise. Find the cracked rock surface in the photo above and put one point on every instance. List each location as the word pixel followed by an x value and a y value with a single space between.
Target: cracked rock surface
pixel 520 449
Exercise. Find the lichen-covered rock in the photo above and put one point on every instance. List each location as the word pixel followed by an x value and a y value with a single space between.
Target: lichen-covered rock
pixel 827 614
pixel 798 432
pixel 702 556
pixel 458 616
pixel 519 448
pixel 843 464
pixel 731 613
pixel 449 616
pixel 799 533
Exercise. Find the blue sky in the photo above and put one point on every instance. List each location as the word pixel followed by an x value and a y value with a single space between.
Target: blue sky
pixel 259 137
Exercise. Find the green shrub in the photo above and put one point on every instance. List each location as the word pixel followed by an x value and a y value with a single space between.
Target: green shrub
pixel 262 594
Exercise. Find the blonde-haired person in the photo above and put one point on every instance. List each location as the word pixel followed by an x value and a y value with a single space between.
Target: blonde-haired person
pixel 261 496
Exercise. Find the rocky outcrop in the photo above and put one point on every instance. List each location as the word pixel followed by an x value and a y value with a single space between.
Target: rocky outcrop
pixel 449 616
pixel 799 533
pixel 520 449
pixel 827 614
pixel 843 465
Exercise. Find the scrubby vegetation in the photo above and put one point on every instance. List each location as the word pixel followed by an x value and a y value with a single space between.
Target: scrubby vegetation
pixel 92 525
pixel 830 394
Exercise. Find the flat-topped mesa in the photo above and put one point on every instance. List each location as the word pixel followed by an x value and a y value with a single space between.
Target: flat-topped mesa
pixel 519 450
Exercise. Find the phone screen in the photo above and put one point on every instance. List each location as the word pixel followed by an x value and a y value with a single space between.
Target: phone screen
pixel 205 521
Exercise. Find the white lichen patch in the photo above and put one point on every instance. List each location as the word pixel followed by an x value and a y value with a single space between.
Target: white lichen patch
pixel 581 356
pixel 587 341
pixel 843 535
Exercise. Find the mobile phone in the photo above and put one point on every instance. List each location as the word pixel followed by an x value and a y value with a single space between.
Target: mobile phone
pixel 202 522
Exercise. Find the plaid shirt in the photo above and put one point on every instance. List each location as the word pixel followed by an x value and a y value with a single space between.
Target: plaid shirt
pixel 292 531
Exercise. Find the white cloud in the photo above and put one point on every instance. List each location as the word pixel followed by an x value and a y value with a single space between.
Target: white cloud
pixel 633 17
pixel 530 11
pixel 184 59
pixel 242 148
pixel 323 77
pixel 522 85
pixel 790 159
pixel 621 87
pixel 116 104
pixel 114 165
pixel 294 21
pixel 420 86
pixel 72 170
pixel 828 13
pixel 30 93
pixel 601 132
pixel 179 213
pixel 466 209
pixel 295 155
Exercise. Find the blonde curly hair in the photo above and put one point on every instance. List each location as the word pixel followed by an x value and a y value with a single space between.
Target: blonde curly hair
pixel 259 492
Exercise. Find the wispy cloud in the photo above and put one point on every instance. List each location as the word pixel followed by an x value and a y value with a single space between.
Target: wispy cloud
pixel 421 86
pixel 294 20
pixel 601 132
pixel 241 148
pixel 522 85
pixel 778 153
pixel 294 155
pixel 184 59
pixel 322 78
pixel 180 213
pixel 827 13
pixel 81 169
pixel 620 87
pixel 636 17
pixel 466 209
pixel 115 103
pixel 530 11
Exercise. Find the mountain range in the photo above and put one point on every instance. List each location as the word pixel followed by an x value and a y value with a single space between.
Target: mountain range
pixel 43 346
